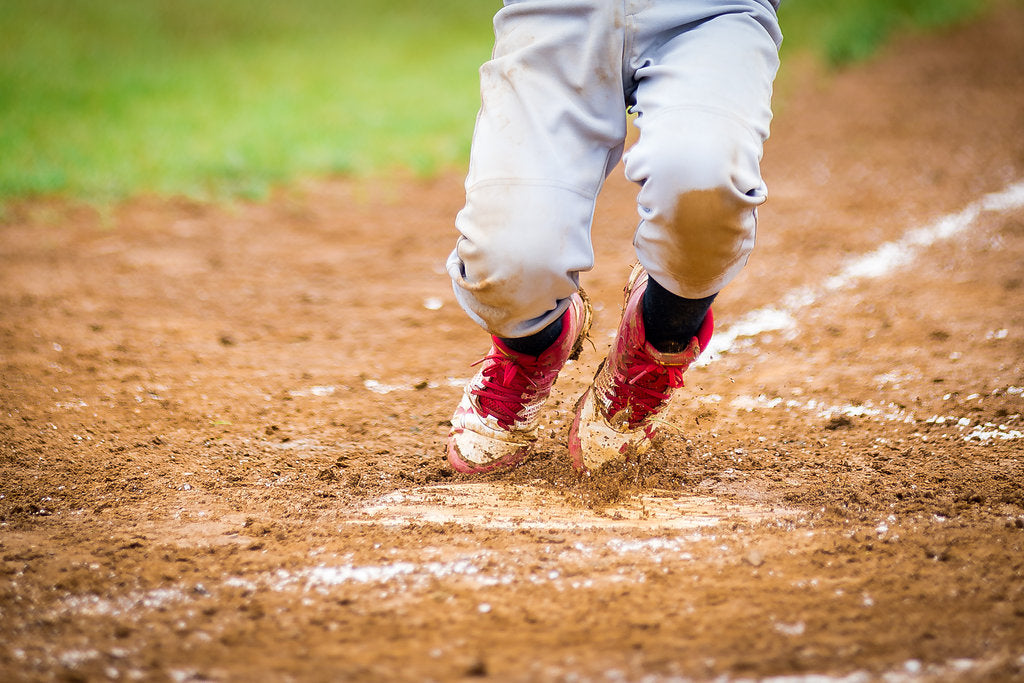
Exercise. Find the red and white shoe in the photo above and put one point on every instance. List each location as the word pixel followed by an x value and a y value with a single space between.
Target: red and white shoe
pixel 615 416
pixel 495 423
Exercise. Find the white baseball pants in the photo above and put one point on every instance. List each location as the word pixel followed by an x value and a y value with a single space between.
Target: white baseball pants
pixel 551 127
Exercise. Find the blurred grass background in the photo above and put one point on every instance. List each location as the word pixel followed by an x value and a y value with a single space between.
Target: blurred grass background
pixel 103 99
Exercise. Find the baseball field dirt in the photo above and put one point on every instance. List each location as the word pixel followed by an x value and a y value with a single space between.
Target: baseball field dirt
pixel 222 426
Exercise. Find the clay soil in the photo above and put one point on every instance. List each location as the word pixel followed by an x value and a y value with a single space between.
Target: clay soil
pixel 222 426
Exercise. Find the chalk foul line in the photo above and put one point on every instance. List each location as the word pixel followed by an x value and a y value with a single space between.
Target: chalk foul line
pixel 878 263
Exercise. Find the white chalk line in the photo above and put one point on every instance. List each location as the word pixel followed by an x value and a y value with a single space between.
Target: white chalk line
pixel 581 566
pixel 878 263
pixel 484 505
pixel 1010 428
pixel 909 671
pixel 405 581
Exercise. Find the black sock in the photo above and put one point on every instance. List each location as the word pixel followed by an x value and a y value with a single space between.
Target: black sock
pixel 671 321
pixel 538 342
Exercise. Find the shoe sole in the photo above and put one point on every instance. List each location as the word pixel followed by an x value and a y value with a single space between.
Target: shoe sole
pixel 460 465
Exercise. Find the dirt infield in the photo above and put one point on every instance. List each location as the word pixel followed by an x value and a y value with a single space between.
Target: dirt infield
pixel 221 427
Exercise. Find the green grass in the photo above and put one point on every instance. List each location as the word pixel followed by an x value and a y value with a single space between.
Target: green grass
pixel 103 99
pixel 842 32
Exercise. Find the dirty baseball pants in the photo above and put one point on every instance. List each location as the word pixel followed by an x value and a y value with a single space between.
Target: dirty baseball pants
pixel 698 75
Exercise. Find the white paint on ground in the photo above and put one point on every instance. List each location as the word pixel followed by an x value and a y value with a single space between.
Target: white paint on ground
pixel 889 412
pixel 325 390
pixel 580 566
pixel 379 387
pixel 95 606
pixel 486 505
pixel 325 576
pixel 993 432
pixel 910 671
pixel 878 263
pixel 651 545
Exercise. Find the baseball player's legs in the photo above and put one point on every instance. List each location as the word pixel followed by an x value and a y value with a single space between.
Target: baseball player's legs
pixel 549 130
pixel 703 104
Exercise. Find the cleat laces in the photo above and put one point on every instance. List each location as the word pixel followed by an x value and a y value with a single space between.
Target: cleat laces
pixel 508 388
pixel 642 387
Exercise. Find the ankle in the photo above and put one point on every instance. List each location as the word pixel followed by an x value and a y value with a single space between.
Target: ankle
pixel 536 343
pixel 670 321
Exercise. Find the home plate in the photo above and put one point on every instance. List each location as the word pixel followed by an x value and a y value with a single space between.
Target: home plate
pixel 483 504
